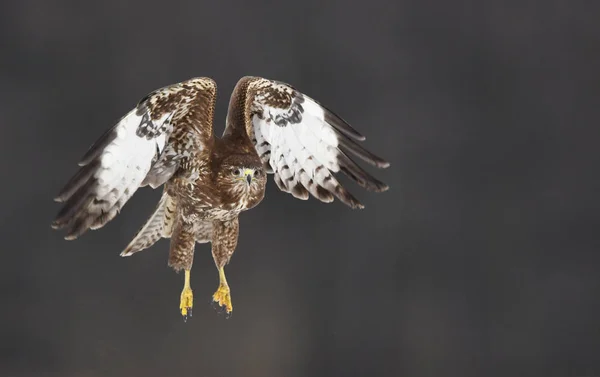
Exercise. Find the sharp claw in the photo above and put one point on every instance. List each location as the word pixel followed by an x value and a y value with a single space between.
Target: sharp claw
pixel 221 310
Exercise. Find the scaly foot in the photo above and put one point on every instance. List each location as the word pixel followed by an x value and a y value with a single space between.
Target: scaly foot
pixel 186 303
pixel 223 297
pixel 187 298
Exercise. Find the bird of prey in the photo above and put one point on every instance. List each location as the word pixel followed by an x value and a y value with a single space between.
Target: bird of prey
pixel 168 140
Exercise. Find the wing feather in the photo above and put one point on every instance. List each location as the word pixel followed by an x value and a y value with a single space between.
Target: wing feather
pixel 304 144
pixel 146 147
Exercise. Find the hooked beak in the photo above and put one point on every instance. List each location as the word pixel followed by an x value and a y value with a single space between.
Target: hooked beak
pixel 248 174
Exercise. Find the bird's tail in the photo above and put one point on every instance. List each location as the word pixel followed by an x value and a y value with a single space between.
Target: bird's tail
pixel 160 224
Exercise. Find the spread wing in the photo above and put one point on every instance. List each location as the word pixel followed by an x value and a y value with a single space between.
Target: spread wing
pixel 146 147
pixel 304 144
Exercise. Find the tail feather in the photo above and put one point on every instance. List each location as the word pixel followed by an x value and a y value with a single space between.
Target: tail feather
pixel 155 227
pixel 169 219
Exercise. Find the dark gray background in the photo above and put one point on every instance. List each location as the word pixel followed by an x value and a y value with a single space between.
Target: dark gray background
pixel 481 260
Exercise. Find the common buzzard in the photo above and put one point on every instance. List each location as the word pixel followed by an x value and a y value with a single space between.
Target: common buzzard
pixel 168 139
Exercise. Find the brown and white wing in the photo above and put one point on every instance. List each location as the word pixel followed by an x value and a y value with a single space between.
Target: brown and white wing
pixel 304 144
pixel 145 147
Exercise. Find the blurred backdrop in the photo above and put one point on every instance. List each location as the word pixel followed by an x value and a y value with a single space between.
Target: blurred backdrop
pixel 481 260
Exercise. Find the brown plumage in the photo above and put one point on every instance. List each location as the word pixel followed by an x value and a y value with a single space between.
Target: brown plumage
pixel 168 140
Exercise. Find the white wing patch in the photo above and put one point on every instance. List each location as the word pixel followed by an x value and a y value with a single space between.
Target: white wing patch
pixel 111 172
pixel 165 131
pixel 304 144
pixel 126 161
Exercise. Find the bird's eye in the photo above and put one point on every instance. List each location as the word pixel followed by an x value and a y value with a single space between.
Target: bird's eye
pixel 236 172
pixel 257 173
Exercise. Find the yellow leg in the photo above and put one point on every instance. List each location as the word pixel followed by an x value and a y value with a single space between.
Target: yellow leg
pixel 222 296
pixel 187 298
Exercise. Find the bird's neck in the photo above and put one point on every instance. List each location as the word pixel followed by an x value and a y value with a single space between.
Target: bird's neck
pixel 236 142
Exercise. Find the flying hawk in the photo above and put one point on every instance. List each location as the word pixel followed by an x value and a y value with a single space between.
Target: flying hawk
pixel 168 139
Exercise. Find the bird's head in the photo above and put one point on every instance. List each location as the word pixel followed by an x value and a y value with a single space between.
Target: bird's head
pixel 242 180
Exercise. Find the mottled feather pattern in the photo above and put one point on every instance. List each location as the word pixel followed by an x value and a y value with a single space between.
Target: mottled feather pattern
pixel 169 217
pixel 224 242
pixel 280 167
pixel 183 150
pixel 183 241
pixel 152 230
pixel 291 169
pixel 293 114
pixel 304 143
pixel 203 231
pixel 144 147
pixel 103 185
pixel 263 148
pixel 167 140
pixel 151 129
pixel 163 167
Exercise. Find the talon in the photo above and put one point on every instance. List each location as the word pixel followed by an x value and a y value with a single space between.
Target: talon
pixel 223 296
pixel 186 303
pixel 187 298
pixel 221 310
